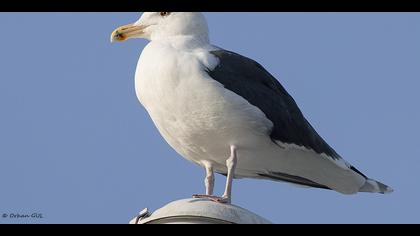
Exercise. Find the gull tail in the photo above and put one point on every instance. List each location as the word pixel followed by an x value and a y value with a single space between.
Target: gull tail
pixel 373 186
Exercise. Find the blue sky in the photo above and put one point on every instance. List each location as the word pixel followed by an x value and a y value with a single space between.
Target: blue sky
pixel 77 147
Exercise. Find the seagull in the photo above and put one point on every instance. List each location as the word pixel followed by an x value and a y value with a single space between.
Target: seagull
pixel 226 113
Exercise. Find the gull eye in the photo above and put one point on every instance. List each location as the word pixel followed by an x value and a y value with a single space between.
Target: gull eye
pixel 164 13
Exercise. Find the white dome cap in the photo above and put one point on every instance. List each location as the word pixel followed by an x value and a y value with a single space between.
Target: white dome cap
pixel 199 211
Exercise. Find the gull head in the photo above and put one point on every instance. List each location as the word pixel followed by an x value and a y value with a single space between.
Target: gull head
pixel 163 25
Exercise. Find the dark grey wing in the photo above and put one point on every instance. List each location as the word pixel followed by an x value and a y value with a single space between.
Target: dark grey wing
pixel 250 80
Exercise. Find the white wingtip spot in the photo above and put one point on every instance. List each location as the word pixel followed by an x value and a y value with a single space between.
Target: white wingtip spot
pixel 388 190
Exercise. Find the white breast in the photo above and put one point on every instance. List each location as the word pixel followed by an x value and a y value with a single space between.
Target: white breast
pixel 195 114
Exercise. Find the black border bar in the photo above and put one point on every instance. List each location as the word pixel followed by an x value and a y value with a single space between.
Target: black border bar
pixel 210 5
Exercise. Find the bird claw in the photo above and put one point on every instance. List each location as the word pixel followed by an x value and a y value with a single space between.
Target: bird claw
pixel 213 198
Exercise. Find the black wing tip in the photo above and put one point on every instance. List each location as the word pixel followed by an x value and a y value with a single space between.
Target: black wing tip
pixel 293 179
pixel 358 171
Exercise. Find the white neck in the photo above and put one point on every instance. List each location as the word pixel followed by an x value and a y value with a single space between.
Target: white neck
pixel 184 42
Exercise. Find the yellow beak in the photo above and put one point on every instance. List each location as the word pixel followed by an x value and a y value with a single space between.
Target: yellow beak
pixel 126 32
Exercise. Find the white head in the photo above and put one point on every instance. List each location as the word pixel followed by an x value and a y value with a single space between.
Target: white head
pixel 163 25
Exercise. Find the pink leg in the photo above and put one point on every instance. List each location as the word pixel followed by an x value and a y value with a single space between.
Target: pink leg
pixel 227 196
